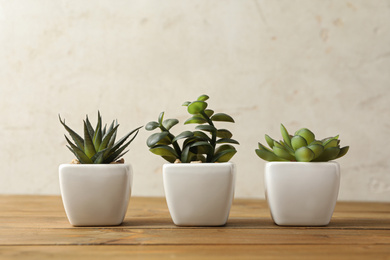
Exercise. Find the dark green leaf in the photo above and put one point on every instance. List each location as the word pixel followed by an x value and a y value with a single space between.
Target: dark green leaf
pixel 89 148
pixel 342 152
pixel 201 136
pixel 165 151
pixel 222 117
pixel 328 155
pixel 208 128
pixel 160 118
pixel 81 156
pixel 185 155
pixel 79 141
pixel 151 125
pixel 195 120
pixel 209 112
pixel 97 137
pixel 107 138
pixel 196 107
pixel 182 135
pixel 90 128
pixel 155 138
pixel 224 133
pixel 169 123
pixel 227 141
pixel 224 153
pixel 121 141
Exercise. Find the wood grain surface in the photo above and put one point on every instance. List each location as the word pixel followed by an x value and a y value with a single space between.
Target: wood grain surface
pixel 36 227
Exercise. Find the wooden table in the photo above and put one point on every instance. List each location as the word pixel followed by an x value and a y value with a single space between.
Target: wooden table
pixel 36 227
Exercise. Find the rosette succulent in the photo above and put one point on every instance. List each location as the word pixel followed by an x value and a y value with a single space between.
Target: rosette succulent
pixel 302 147
pixel 98 145
pixel 205 144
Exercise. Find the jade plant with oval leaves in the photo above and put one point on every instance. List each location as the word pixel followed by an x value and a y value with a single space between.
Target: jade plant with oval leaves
pixel 206 144
pixel 302 147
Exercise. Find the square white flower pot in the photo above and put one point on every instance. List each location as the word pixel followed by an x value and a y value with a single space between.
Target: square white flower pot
pixel 302 193
pixel 199 194
pixel 95 194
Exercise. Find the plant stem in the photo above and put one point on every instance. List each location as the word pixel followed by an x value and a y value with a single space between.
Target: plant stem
pixel 175 144
pixel 213 137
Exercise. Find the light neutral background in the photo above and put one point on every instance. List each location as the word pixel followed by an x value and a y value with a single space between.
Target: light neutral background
pixel 317 64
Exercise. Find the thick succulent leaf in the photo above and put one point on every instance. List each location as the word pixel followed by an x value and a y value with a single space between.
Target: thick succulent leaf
pixel 195 120
pixel 209 112
pixel 185 155
pixel 169 159
pixel 107 138
pixel 224 156
pixel 208 128
pixel 222 117
pixel 331 143
pixel 224 147
pixel 202 143
pixel 160 118
pixel 97 137
pixel 269 141
pixel 89 148
pixel 196 107
pixel 307 134
pixel 78 140
pixel 283 153
pixel 262 147
pixel 203 98
pixel 104 130
pixel 201 135
pixel 186 103
pixel 284 146
pixel 328 139
pixel 304 154
pixel 185 134
pixel 328 155
pixel 285 135
pixel 343 151
pixel 268 155
pixel 224 133
pixel 165 151
pixel 169 123
pixel 165 141
pixel 227 141
pixel 99 159
pixel 151 125
pixel 297 142
pixel 318 149
pixel 155 138
pixel 89 126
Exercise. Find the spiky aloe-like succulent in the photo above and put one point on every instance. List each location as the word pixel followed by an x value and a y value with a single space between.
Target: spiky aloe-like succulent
pixel 98 145
pixel 200 145
pixel 302 147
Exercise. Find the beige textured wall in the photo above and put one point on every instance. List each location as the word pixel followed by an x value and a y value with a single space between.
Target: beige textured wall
pixel 317 64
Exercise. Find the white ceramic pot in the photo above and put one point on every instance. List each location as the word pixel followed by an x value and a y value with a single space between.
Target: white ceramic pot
pixel 302 193
pixel 199 194
pixel 95 194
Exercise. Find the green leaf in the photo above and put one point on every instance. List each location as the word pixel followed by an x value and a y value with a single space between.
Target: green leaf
pixel 78 140
pixel 267 155
pixel 89 148
pixel 304 154
pixel 224 153
pixel 107 138
pixel 227 141
pixel 89 126
pixel 328 155
pixel 186 103
pixel 331 143
pixel 209 112
pixel 185 155
pixel 164 150
pixel 182 135
pixel 155 138
pixel 222 117
pixel 169 123
pixel 208 128
pixel 160 118
pixel 151 125
pixel 270 141
pixel 224 133
pixel 318 149
pixel 307 134
pixel 343 151
pixel 282 153
pixel 202 147
pixel 121 141
pixel 262 147
pixel 286 135
pixel 298 142
pixel 196 107
pixel 203 98
pixel 81 156
pixel 97 137
pixel 98 158
pixel 202 135
pixel 195 120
